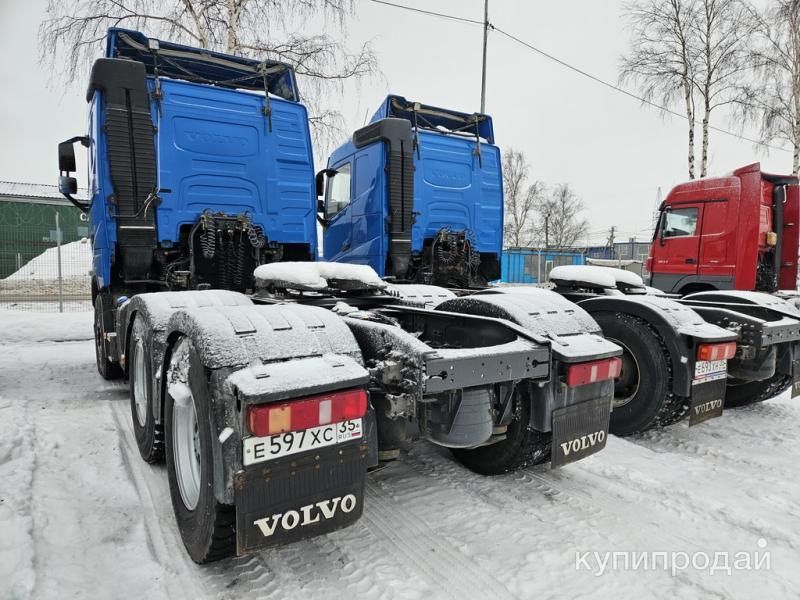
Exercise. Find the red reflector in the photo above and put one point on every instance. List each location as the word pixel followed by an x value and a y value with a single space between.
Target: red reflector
pixel 334 407
pixel 590 372
pixel 724 351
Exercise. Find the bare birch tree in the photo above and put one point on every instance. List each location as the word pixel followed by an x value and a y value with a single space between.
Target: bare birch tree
pixel 722 30
pixel 662 60
pixel 559 213
pixel 773 98
pixel 72 34
pixel 520 200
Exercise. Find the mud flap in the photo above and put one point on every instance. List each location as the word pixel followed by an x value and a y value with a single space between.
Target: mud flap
pixel 293 498
pixel 708 401
pixel 580 430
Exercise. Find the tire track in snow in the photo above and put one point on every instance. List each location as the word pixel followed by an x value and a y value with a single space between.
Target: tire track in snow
pixel 417 544
pixel 672 526
pixel 163 539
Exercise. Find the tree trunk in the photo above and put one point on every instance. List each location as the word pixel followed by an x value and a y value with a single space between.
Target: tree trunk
pixel 687 93
pixel 233 21
pixel 704 157
pixel 796 140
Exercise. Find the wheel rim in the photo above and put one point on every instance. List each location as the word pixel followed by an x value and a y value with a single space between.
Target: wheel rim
pixel 98 335
pixel 139 383
pixel 627 384
pixel 186 444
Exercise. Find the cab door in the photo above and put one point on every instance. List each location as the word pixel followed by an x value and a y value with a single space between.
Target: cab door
pixel 676 248
pixel 718 241
pixel 337 238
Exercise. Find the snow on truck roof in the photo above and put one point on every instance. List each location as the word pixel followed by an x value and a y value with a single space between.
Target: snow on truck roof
pixel 316 276
pixel 602 277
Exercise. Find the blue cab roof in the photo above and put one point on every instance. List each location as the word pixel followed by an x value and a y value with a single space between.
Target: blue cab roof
pixel 435 118
pixel 200 65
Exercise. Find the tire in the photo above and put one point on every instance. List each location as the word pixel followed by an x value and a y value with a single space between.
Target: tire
pixel 104 323
pixel 643 396
pixel 149 434
pixel 522 447
pixel 744 394
pixel 207 527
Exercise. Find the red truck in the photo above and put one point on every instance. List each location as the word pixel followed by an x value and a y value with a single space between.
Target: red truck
pixel 737 232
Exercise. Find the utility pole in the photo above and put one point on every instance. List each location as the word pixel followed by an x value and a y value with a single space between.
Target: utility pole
pixel 485 40
pixel 611 241
pixel 547 231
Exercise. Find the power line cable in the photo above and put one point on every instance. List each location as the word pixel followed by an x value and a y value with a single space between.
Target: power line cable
pixel 581 72
pixel 630 94
pixel 429 12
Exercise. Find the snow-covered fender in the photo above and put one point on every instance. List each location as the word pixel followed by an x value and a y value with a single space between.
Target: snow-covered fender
pixel 156 308
pixel 761 300
pixel 680 327
pixel 553 320
pixel 265 353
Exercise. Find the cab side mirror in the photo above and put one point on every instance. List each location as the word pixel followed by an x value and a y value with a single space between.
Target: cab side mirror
pixel 67 184
pixel 321 180
pixel 663 223
pixel 66 157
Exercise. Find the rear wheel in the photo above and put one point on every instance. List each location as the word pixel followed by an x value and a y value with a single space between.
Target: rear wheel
pixel 149 434
pixel 208 528
pixel 523 446
pixel 643 396
pixel 752 392
pixel 103 324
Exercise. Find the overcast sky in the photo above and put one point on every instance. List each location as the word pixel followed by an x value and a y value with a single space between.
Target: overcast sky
pixel 614 152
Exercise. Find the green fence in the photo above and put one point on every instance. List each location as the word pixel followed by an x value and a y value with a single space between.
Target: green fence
pixel 45 258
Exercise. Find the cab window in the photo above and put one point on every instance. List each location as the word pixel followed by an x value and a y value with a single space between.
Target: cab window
pixel 680 222
pixel 338 191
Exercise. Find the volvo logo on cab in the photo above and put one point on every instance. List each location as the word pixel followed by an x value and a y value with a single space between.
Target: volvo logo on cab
pixel 215 138
pixel 307 515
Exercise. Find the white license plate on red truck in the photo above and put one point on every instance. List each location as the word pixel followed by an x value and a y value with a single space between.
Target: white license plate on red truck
pixel 261 449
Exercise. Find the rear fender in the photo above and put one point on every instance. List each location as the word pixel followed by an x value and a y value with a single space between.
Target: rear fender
pixel 156 308
pixel 572 334
pixel 680 328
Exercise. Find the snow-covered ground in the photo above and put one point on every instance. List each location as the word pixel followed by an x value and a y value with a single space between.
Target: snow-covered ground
pixel 82 516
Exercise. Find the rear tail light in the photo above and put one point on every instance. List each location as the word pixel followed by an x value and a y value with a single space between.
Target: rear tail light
pixel 724 351
pixel 591 372
pixel 305 413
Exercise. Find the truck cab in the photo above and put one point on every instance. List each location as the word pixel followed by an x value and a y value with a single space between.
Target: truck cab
pixel 737 232
pixel 418 195
pixel 200 167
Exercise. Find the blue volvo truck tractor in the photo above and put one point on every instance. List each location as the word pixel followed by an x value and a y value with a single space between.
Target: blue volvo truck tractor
pixel 268 382
pixel 424 205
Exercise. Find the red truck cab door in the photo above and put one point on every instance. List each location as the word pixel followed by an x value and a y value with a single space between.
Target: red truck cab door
pixel 676 247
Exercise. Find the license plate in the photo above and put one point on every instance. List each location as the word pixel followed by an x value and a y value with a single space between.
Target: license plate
pixel 708 400
pixel 260 449
pixel 580 430
pixel 709 370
